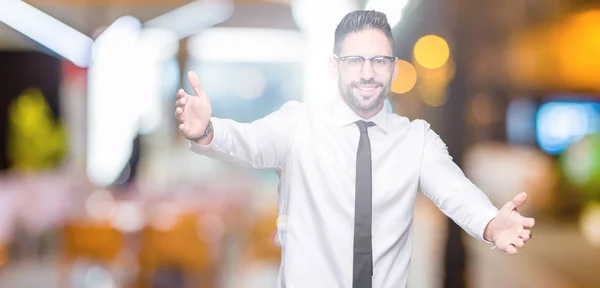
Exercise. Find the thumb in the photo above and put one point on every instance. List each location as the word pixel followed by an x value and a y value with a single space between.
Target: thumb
pixel 519 199
pixel 195 82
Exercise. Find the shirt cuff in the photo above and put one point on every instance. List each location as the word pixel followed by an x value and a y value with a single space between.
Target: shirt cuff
pixel 217 136
pixel 485 218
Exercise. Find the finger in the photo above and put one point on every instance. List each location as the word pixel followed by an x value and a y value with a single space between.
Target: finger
pixel 519 243
pixel 519 199
pixel 181 127
pixel 195 82
pixel 525 234
pixel 528 222
pixel 511 250
pixel 181 102
pixel 179 114
pixel 181 94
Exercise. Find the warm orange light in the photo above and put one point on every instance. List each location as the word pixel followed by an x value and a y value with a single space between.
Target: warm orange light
pixel 406 79
pixel 433 83
pixel 577 49
pixel 431 51
pixel 561 56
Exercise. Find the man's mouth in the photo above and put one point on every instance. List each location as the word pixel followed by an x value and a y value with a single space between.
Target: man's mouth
pixel 367 90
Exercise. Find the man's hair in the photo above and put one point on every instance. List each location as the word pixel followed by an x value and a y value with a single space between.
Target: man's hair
pixel 357 21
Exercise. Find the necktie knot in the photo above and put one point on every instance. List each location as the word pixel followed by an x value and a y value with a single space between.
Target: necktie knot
pixel 363 125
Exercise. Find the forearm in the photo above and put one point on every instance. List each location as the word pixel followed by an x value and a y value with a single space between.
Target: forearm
pixel 239 144
pixel 457 197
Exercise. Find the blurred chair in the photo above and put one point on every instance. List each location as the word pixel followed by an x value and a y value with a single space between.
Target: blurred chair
pixel 262 255
pixel 263 239
pixel 94 241
pixel 178 253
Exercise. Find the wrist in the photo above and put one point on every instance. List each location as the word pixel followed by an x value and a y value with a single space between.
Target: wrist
pixel 206 136
pixel 488 232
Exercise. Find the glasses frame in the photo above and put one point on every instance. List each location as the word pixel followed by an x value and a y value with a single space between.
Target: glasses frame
pixel 343 59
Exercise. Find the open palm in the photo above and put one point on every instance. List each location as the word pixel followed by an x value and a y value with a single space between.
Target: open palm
pixel 509 230
pixel 193 111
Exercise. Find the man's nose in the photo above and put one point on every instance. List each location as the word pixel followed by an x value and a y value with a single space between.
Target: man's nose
pixel 367 70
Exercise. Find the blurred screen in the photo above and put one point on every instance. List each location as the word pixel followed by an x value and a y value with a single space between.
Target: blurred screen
pixel 520 121
pixel 559 123
pixel 245 92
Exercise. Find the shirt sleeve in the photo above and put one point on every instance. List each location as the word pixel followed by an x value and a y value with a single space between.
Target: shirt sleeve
pixel 261 144
pixel 442 181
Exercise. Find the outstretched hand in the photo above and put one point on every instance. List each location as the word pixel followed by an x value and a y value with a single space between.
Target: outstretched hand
pixel 509 230
pixel 193 111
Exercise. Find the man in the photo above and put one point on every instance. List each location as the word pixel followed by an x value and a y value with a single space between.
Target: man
pixel 349 171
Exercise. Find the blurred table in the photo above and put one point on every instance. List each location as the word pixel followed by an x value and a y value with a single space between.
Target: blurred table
pixel 557 256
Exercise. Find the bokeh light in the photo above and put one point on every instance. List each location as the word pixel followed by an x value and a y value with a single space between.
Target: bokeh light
pixel 581 165
pixel 433 83
pixel 431 51
pixel 406 79
pixel 590 223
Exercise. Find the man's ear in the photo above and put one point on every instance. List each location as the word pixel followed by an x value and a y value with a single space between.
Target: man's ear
pixel 334 69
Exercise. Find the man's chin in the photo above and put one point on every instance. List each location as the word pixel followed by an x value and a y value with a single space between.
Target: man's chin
pixel 367 105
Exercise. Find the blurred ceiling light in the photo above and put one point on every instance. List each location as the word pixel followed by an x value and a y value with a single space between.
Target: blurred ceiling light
pixel 155 46
pixel 407 78
pixel 317 20
pixel 113 106
pixel 46 30
pixel 124 31
pixel 158 43
pixel 247 45
pixel 431 51
pixel 125 86
pixel 318 15
pixel 392 8
pixel 193 17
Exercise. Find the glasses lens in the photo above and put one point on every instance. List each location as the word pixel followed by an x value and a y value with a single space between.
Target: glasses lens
pixel 381 64
pixel 353 63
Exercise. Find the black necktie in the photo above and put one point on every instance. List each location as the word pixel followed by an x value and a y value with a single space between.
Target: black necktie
pixel 363 251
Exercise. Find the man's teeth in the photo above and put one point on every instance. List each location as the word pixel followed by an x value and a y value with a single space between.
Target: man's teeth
pixel 367 88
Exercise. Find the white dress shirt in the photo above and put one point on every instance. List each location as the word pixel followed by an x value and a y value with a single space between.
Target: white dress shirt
pixel 313 149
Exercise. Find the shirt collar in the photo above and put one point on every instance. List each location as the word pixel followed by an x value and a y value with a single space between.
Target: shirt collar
pixel 343 115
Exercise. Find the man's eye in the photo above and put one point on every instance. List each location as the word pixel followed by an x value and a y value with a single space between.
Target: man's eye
pixel 353 60
pixel 381 61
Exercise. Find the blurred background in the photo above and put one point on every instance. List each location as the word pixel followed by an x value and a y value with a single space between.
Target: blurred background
pixel 98 188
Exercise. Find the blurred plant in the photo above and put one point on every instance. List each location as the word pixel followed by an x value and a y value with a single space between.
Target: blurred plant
pixel 35 141
pixel 581 166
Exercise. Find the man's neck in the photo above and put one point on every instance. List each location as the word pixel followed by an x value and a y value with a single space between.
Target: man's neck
pixel 369 114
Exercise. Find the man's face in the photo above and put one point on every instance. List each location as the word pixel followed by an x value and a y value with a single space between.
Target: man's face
pixel 365 69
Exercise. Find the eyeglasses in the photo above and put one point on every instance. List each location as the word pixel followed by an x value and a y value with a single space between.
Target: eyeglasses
pixel 355 64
